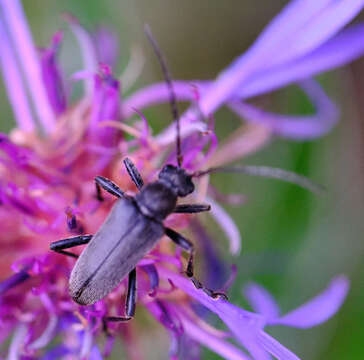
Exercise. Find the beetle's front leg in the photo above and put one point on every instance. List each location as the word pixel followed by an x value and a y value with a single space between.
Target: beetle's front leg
pixel 134 173
pixel 189 247
pixel 131 299
pixel 60 245
pixel 109 186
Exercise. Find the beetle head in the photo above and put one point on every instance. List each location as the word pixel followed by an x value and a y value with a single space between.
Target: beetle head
pixel 177 179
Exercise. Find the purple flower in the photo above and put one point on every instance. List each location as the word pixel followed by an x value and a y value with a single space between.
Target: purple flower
pixel 49 161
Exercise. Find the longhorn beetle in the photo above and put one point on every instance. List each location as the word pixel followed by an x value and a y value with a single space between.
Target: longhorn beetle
pixel 135 224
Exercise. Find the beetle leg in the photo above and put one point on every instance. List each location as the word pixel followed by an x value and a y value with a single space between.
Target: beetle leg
pixel 191 208
pixel 189 247
pixel 60 245
pixel 131 299
pixel 133 173
pixel 109 186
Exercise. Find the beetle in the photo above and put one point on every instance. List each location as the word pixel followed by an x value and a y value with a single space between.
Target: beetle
pixel 135 224
pixel 132 228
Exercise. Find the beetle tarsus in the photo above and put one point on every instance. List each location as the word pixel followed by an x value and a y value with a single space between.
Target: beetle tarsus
pixel 213 294
pixel 117 318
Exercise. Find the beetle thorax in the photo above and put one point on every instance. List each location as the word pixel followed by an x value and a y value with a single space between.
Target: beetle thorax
pixel 156 200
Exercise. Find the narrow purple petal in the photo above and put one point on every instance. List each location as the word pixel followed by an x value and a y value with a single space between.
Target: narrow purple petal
pixel 275 348
pixel 157 93
pixel 291 126
pixel 22 38
pixel 105 106
pixel 17 342
pixel 152 273
pixel 52 75
pixel 227 225
pixel 293 16
pixel 106 46
pixel 13 280
pixel 341 49
pixel 318 309
pixel 317 30
pixel 87 50
pixel 219 346
pixel 133 69
pixel 261 300
pixel 14 83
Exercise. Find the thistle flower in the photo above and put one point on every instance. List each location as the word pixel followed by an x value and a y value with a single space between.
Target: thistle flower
pixel 50 159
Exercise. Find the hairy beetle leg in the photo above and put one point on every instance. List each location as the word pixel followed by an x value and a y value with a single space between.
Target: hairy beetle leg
pixel 134 173
pixel 191 208
pixel 109 186
pixel 130 303
pixel 188 246
pixel 209 292
pixel 60 245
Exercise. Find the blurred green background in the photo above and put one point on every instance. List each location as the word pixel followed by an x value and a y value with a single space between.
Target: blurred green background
pixel 293 242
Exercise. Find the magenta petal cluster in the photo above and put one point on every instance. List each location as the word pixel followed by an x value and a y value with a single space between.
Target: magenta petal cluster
pixel 49 161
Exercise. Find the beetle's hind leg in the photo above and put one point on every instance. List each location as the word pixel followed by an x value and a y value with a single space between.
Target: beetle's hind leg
pixel 189 247
pixel 191 208
pixel 106 184
pixel 134 173
pixel 60 245
pixel 131 299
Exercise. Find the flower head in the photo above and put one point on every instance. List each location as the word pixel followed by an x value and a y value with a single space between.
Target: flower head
pixel 50 160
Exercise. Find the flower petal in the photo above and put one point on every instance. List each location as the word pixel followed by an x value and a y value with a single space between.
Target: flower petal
pixel 318 309
pixel 51 75
pixel 341 49
pixel 291 126
pixel 317 30
pixel 218 345
pixel 14 84
pixel 261 300
pixel 22 38
pixel 275 348
pixel 227 225
pixel 87 50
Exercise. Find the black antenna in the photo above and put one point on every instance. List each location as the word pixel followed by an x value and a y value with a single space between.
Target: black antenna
pixel 172 94
pixel 268 172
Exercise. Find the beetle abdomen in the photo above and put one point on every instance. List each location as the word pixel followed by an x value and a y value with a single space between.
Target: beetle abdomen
pixel 123 239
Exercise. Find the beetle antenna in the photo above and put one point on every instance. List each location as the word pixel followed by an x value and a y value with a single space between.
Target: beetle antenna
pixel 268 172
pixel 172 94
